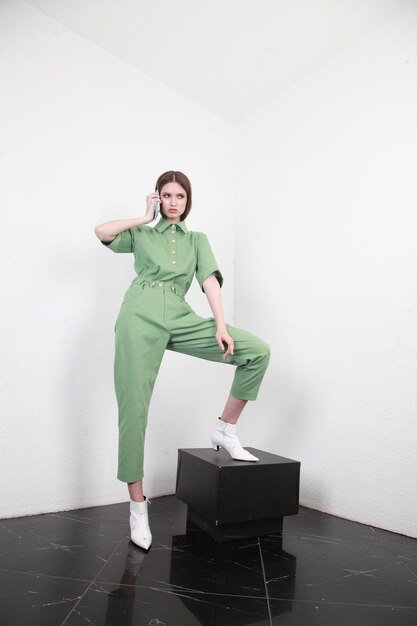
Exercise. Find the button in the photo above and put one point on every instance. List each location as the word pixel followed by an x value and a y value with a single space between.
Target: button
pixel 173 262
pixel 160 285
pixel 173 240
pixel 173 252
pixel 153 284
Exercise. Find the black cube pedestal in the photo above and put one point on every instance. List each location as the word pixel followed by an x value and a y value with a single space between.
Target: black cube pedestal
pixel 231 499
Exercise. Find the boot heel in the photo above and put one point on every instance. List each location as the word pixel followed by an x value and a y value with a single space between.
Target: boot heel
pixel 216 448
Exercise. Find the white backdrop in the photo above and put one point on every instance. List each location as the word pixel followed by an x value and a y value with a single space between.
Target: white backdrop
pixel 331 167
pixel 309 204
pixel 84 138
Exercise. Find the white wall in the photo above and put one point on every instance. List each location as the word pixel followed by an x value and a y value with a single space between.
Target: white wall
pixel 319 189
pixel 326 270
pixel 83 139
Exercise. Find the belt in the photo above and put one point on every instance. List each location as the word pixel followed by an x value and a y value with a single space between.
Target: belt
pixel 167 284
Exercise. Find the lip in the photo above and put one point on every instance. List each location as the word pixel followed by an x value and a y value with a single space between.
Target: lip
pixel 173 210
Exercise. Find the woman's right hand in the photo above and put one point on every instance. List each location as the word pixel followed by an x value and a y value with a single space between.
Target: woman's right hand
pixel 150 202
pixel 109 230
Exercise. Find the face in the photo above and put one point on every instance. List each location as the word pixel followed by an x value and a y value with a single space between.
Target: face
pixel 173 201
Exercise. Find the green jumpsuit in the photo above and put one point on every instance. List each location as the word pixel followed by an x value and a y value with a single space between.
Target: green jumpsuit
pixel 155 316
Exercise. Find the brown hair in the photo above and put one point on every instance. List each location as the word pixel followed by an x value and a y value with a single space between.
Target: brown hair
pixel 181 179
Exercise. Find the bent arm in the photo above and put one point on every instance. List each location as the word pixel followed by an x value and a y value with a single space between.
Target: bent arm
pixel 109 230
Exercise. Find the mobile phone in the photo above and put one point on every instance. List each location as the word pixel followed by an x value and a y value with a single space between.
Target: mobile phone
pixel 156 208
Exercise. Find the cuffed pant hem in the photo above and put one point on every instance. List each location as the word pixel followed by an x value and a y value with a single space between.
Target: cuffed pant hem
pixel 125 479
pixel 243 396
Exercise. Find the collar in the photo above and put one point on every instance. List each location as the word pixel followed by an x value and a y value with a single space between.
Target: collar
pixel 163 224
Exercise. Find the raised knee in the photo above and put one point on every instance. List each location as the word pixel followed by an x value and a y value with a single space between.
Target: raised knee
pixel 264 350
pixel 267 351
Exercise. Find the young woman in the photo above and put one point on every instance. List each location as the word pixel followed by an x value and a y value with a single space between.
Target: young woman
pixel 154 317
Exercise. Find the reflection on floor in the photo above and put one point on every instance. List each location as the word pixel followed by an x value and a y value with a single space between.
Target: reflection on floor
pixel 79 567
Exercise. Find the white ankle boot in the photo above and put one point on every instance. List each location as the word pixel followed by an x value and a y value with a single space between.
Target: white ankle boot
pixel 224 436
pixel 139 523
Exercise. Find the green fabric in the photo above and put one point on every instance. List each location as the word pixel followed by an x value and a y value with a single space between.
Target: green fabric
pixel 168 252
pixel 154 316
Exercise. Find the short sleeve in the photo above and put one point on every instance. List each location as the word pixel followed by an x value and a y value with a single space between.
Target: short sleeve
pixel 123 242
pixel 206 263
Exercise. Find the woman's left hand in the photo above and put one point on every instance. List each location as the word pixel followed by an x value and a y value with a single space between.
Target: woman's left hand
pixel 223 336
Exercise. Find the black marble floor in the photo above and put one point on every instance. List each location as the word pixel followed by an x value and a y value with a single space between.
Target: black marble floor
pixel 79 567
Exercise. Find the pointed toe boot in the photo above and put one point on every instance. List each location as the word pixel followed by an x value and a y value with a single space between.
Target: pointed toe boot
pixel 225 436
pixel 139 524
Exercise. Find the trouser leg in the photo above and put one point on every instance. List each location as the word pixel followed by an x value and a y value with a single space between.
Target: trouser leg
pixel 195 335
pixel 139 347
